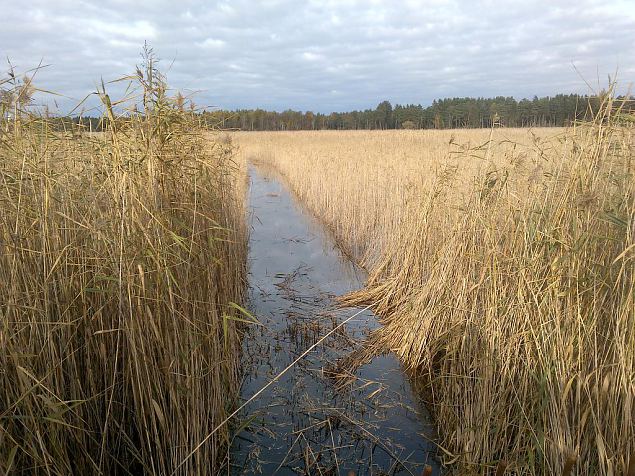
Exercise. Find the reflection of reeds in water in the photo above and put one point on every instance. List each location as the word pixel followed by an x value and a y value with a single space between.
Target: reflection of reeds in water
pixel 119 254
pixel 502 269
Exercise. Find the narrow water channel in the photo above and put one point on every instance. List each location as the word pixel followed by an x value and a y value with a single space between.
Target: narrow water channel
pixel 304 424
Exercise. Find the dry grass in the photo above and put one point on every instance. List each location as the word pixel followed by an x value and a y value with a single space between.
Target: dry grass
pixel 502 270
pixel 356 174
pixel 120 257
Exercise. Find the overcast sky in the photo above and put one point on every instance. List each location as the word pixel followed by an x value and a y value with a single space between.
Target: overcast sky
pixel 326 55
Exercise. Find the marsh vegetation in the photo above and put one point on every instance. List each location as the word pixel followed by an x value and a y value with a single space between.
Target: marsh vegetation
pixel 500 263
pixel 501 266
pixel 122 258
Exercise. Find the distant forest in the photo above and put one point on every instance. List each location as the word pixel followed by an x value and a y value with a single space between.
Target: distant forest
pixel 559 110
pixel 554 111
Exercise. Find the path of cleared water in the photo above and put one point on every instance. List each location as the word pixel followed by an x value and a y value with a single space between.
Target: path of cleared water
pixel 303 424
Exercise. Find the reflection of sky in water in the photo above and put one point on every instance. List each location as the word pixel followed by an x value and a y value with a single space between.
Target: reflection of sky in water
pixel 302 422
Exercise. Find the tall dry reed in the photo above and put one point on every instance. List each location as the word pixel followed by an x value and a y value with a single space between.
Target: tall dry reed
pixel 502 270
pixel 121 255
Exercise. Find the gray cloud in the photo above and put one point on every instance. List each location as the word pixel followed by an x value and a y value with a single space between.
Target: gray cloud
pixel 326 55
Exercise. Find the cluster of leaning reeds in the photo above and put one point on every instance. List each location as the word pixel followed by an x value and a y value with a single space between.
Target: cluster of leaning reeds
pixel 506 279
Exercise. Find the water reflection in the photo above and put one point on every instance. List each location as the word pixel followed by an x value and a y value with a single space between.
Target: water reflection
pixel 302 424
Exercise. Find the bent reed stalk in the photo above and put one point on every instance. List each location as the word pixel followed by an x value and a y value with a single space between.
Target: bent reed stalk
pixel 121 255
pixel 502 268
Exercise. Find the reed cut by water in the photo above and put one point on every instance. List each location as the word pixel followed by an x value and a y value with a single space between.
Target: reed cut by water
pixel 122 254
pixel 502 266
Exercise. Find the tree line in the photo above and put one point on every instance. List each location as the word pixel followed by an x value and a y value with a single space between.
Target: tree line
pixel 452 113
pixel 553 111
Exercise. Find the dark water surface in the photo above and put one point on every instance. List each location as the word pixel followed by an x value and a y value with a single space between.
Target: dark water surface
pixel 302 424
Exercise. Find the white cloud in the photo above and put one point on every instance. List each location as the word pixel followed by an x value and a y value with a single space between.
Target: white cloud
pixel 211 43
pixel 307 55
pixel 137 30
pixel 293 54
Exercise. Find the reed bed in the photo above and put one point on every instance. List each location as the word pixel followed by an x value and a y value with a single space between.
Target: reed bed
pixel 122 254
pixel 501 266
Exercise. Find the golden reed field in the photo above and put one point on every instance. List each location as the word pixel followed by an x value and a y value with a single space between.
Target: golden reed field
pixel 501 264
pixel 502 267
pixel 122 258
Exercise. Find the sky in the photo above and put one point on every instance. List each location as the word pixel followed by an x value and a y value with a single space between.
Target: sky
pixel 327 55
